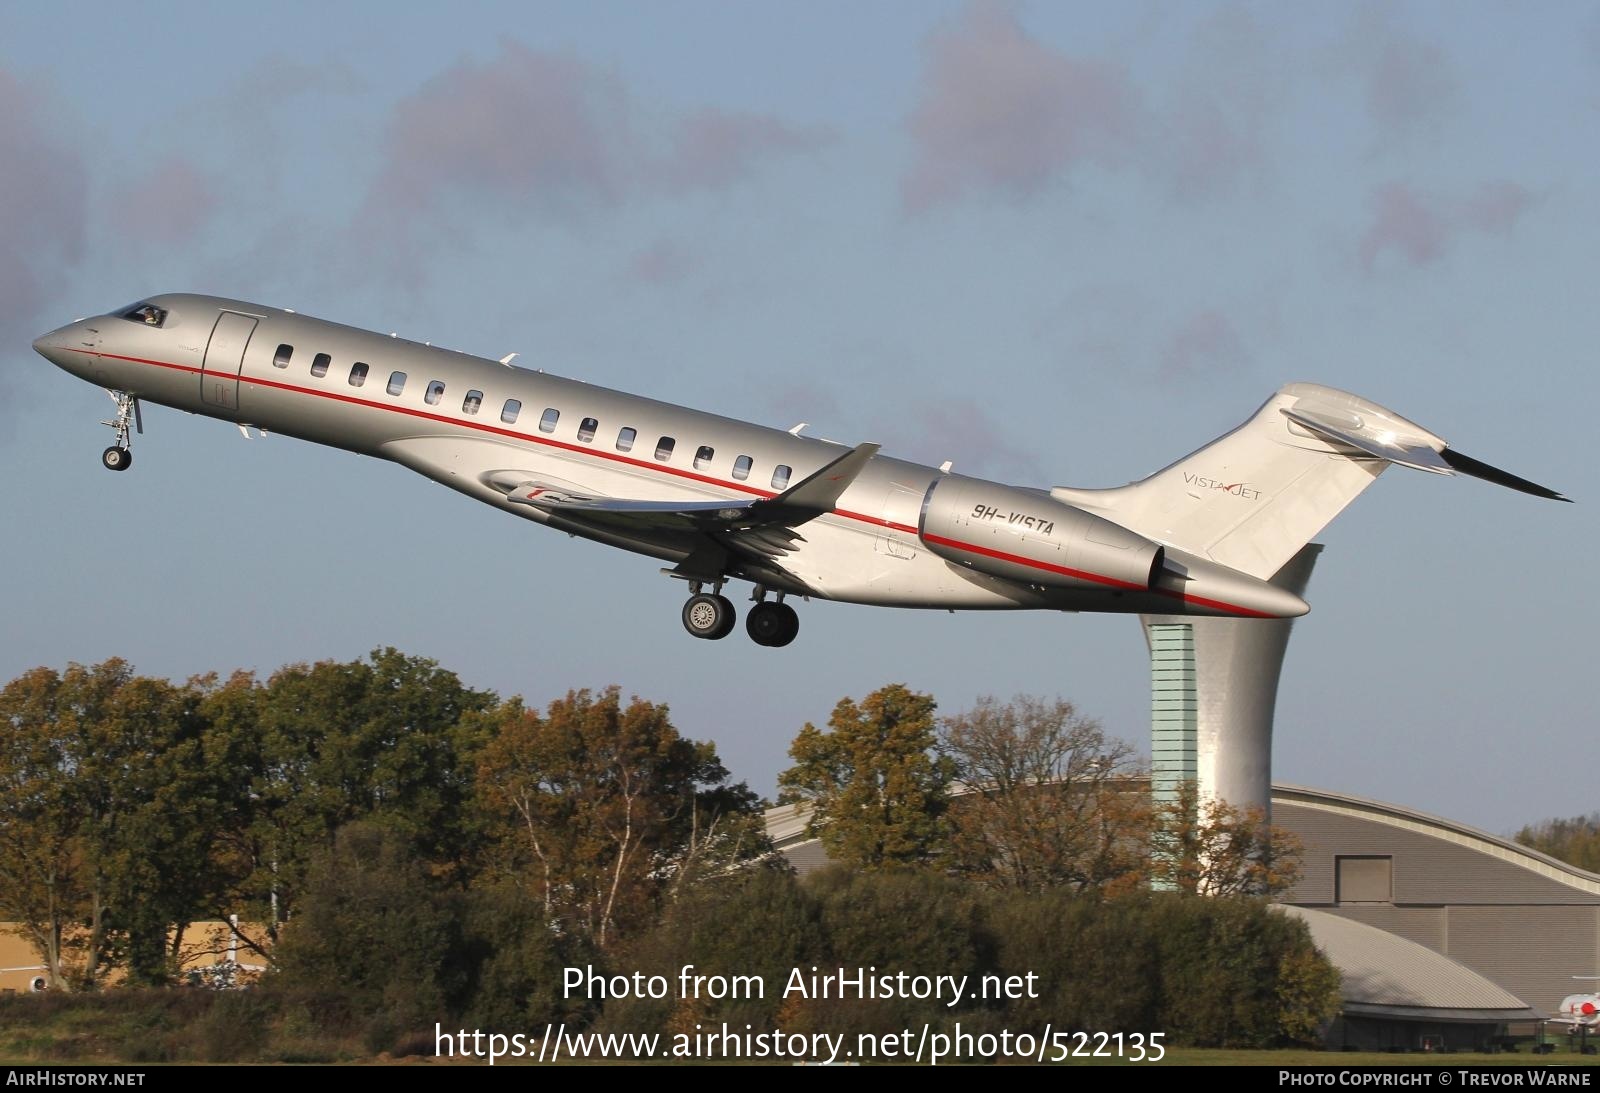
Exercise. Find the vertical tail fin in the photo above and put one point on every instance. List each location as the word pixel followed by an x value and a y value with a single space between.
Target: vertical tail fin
pixel 1249 500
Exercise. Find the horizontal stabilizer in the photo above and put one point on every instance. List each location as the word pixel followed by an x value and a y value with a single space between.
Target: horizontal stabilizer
pixel 1465 464
pixel 1414 452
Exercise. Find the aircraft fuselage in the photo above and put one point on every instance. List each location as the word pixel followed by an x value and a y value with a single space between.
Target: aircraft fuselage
pixel 900 534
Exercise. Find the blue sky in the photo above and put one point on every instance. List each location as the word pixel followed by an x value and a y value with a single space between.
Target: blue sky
pixel 1056 243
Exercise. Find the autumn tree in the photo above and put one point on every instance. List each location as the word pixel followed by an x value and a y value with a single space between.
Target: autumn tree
pixel 601 807
pixel 1047 797
pixel 1575 840
pixel 1204 845
pixel 875 789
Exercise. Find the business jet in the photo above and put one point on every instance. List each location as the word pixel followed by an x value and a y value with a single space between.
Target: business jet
pixel 1580 1013
pixel 724 500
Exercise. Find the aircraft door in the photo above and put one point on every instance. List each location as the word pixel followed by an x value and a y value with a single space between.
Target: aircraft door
pixel 219 383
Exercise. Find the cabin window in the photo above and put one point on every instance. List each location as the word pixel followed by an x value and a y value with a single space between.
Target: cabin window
pixel 625 439
pixel 547 420
pixel 470 404
pixel 780 477
pixel 509 412
pixel 664 448
pixel 435 393
pixel 586 429
pixel 319 365
pixel 397 382
pixel 702 457
pixel 358 374
pixel 280 359
pixel 741 467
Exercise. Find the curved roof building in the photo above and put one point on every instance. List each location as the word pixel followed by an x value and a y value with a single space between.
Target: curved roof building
pixel 1522 919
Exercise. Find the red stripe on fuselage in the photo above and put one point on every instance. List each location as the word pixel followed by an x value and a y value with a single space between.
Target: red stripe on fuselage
pixel 657 468
pixel 1017 559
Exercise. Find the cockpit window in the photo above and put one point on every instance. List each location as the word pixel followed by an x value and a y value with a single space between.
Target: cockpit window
pixel 148 314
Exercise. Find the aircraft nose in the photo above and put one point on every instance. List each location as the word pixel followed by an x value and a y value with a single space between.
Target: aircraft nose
pixel 53 346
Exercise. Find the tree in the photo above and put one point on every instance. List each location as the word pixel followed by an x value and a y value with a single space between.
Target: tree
pixel 333 743
pixel 114 797
pixel 1048 799
pixel 374 927
pixel 1211 848
pixel 42 886
pixel 603 807
pixel 155 788
pixel 1575 841
pixel 877 793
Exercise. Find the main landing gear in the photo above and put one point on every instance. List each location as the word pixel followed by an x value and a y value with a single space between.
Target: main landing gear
pixel 773 624
pixel 711 615
pixel 119 457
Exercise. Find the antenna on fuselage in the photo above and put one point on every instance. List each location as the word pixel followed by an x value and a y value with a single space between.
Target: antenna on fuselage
pixel 796 430
pixel 508 358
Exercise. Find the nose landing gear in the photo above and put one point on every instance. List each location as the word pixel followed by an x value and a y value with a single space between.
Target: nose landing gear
pixel 119 457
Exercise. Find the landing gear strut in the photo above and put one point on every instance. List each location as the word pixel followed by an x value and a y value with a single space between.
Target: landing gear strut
pixel 709 614
pixel 119 457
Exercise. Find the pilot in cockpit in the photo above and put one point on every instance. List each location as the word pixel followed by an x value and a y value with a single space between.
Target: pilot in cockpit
pixel 149 314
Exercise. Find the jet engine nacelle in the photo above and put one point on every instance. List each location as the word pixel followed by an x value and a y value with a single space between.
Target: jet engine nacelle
pixel 1026 535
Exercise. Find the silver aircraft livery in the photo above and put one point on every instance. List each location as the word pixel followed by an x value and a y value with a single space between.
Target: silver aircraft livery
pixel 794 515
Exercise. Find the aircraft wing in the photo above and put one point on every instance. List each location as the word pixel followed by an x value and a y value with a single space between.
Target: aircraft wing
pixel 761 525
pixel 1575 1022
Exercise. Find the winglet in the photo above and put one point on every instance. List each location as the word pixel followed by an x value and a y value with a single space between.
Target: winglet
pixel 818 493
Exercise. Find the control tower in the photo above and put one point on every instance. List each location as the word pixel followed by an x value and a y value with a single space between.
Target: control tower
pixel 1213 688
